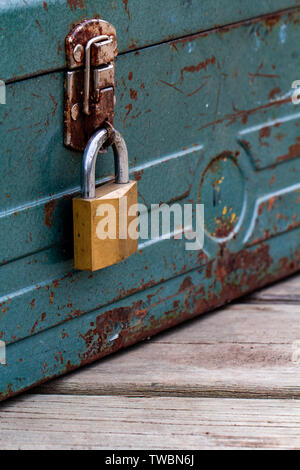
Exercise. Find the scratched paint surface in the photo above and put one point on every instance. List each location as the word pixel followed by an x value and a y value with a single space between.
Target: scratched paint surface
pixel 194 113
pixel 38 45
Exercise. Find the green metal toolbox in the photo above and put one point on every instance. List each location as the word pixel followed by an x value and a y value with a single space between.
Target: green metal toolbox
pixel 204 100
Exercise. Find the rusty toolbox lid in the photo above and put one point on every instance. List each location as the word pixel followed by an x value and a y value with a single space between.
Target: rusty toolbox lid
pixel 32 32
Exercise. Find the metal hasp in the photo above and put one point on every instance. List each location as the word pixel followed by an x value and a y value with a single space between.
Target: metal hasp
pixel 89 100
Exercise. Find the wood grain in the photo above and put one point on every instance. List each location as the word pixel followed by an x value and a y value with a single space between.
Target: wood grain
pixel 73 422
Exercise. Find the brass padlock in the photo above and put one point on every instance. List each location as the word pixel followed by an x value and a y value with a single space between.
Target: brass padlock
pixel 104 207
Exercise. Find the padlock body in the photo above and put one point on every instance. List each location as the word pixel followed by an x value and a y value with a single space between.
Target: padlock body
pixel 101 236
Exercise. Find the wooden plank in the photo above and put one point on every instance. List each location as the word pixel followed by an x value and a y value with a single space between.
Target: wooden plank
pixel 70 422
pixel 285 291
pixel 240 351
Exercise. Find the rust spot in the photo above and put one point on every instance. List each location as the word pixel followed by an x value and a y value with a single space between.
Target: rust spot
pixel 261 208
pixel 274 92
pixel 138 175
pixel 59 48
pixel 246 145
pixel 133 94
pixel 186 284
pixel 74 4
pixel 272 180
pixel 14 129
pixel 209 268
pixel 49 210
pixel 55 104
pixel 272 21
pixel 130 75
pixel 129 109
pixel 45 6
pixel 224 227
pixel 125 3
pixel 263 75
pixel 144 285
pixel 198 67
pixel 264 133
pixel 133 44
pixel 282 216
pixel 271 203
pixel 32 303
pixel 38 23
pixel 294 152
pixel 43 316
pixel 252 263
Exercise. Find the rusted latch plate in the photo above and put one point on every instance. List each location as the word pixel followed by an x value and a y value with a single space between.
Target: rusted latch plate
pixel 89 100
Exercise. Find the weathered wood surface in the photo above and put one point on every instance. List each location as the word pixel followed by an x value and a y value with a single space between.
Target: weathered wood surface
pixel 59 422
pixel 285 291
pixel 192 387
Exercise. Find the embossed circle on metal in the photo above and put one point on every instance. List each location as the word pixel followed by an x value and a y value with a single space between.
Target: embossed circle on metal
pixel 222 191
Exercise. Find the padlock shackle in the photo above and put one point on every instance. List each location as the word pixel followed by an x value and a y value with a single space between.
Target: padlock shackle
pixel 90 157
pixel 121 158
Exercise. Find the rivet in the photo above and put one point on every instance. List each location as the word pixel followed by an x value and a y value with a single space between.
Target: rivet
pixel 78 53
pixel 75 111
